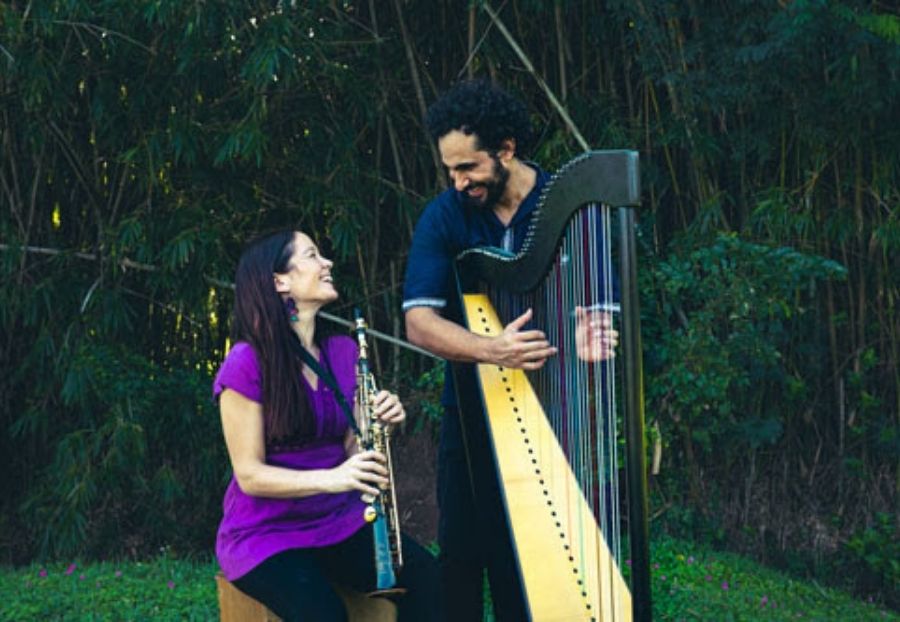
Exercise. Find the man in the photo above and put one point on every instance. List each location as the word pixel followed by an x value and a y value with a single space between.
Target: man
pixel 480 131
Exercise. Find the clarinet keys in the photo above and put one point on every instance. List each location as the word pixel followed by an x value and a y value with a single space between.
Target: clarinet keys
pixel 370 514
pixel 381 509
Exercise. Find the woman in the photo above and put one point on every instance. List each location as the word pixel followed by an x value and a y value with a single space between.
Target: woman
pixel 293 517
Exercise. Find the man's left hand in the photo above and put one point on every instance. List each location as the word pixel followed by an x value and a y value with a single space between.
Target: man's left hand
pixel 595 338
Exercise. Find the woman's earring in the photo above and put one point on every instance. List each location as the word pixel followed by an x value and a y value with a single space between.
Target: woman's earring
pixel 291 308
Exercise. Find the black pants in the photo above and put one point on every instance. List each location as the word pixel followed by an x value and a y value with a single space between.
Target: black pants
pixel 473 536
pixel 296 584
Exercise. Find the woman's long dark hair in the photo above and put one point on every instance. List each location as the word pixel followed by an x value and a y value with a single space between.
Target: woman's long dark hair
pixel 261 320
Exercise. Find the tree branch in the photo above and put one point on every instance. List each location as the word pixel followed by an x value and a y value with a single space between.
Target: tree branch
pixel 128 263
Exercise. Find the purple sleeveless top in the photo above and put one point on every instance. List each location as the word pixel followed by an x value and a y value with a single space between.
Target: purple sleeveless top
pixel 256 528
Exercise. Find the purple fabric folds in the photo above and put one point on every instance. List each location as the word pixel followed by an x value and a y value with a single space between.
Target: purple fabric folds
pixel 255 528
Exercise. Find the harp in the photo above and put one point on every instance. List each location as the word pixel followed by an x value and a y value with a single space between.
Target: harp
pixel 552 437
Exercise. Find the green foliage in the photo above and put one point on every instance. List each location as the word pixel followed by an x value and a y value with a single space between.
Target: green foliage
pixel 428 388
pixel 147 141
pixel 690 582
pixel 164 589
pixel 876 551
pixel 139 443
pixel 161 138
pixel 729 313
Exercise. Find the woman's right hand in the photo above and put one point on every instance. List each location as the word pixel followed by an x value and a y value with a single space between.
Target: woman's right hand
pixel 364 472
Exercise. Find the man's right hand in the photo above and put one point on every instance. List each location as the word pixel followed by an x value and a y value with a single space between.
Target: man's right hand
pixel 521 349
pixel 514 347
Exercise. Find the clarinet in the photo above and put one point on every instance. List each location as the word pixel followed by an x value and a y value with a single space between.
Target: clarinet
pixel 381 510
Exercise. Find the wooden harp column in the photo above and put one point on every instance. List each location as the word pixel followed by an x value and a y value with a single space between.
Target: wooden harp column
pixel 553 435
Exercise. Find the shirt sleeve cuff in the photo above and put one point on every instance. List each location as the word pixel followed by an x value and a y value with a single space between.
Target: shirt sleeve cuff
pixel 435 303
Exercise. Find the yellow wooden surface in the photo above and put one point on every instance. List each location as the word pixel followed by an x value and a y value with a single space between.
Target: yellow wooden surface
pixel 568 571
pixel 235 606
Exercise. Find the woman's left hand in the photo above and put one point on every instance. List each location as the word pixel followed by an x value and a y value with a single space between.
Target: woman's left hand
pixel 388 408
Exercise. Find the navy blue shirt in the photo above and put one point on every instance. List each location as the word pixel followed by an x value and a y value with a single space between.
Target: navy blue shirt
pixel 446 228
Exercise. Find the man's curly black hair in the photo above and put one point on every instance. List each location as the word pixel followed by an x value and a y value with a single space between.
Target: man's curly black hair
pixel 479 107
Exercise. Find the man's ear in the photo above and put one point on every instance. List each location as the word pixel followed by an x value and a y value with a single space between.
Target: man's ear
pixel 507 150
pixel 282 285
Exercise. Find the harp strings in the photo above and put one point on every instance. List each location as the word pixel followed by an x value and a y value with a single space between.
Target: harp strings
pixel 579 396
pixel 606 389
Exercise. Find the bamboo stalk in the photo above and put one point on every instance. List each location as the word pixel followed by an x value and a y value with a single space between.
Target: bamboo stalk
pixel 583 79
pixel 547 91
pixel 395 324
pixel 417 82
pixel 862 293
pixel 361 265
pixel 670 164
pixel 560 49
pixel 470 71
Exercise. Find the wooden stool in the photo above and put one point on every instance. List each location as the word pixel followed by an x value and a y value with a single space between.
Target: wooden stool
pixel 235 606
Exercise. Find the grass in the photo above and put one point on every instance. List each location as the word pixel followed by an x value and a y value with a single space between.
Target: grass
pixel 689 583
pixel 693 583
pixel 164 589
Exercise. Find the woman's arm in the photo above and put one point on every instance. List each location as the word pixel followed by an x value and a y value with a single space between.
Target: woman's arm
pixel 242 424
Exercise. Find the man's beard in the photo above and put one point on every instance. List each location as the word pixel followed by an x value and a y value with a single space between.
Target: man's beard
pixel 495 187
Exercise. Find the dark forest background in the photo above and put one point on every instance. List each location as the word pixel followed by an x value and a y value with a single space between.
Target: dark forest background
pixel 142 143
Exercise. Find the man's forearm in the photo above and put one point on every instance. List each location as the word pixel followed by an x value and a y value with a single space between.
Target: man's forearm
pixel 427 329
pixel 514 347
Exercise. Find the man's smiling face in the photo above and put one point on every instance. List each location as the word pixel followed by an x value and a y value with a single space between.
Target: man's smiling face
pixel 476 173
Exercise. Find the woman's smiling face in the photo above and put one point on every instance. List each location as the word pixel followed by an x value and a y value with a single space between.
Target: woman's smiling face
pixel 308 279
